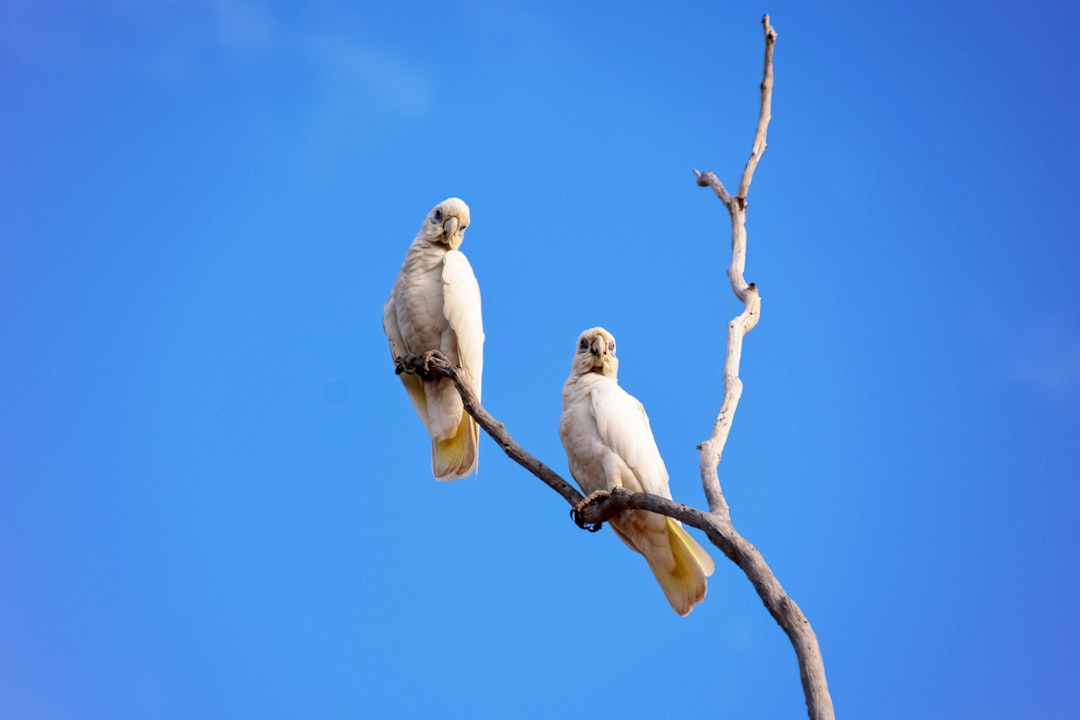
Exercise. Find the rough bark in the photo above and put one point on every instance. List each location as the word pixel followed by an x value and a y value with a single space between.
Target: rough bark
pixel 591 512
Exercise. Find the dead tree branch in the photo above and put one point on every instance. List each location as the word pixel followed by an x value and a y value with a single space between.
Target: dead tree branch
pixel 746 556
pixel 591 512
pixel 434 363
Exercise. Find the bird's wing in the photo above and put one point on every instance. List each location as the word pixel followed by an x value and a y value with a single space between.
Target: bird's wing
pixel 413 385
pixel 464 340
pixel 391 327
pixel 624 428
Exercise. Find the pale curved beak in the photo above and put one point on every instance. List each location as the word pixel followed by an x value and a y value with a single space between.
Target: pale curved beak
pixel 450 226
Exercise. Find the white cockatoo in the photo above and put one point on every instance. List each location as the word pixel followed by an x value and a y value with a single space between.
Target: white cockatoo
pixel 435 305
pixel 609 444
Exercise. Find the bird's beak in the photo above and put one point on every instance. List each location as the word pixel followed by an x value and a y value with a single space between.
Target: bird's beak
pixel 597 346
pixel 450 228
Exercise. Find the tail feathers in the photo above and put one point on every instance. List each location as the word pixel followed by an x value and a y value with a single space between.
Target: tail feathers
pixel 685 583
pixel 456 457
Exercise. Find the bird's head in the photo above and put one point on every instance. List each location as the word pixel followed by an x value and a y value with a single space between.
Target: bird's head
pixel 446 223
pixel 596 353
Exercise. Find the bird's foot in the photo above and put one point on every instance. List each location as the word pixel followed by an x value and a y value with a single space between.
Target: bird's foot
pixel 422 364
pixel 597 496
pixel 405 364
pixel 415 363
pixel 425 361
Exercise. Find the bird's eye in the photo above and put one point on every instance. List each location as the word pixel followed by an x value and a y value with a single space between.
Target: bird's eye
pixel 438 216
pixel 611 348
pixel 583 345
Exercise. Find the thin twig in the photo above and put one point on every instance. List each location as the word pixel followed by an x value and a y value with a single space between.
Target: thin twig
pixel 764 114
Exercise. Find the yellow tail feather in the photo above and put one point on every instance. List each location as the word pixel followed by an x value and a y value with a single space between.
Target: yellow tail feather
pixel 456 457
pixel 685 585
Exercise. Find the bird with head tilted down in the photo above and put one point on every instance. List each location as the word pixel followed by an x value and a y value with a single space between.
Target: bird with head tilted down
pixel 435 305
pixel 609 444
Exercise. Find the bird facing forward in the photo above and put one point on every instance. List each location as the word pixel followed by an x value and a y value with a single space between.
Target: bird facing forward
pixel 609 444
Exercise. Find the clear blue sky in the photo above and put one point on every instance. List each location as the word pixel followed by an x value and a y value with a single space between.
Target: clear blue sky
pixel 215 498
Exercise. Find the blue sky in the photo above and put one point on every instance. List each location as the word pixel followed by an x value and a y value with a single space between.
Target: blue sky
pixel 215 498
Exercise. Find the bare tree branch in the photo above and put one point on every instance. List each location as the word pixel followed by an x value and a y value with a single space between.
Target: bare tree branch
pixel 599 507
pixel 435 363
pixel 746 556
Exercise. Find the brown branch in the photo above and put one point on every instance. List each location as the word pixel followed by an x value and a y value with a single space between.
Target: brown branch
pixel 435 363
pixel 600 507
pixel 745 555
